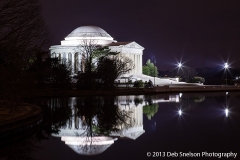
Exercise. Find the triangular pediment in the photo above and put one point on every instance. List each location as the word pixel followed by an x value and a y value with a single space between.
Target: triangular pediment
pixel 134 135
pixel 126 45
pixel 133 45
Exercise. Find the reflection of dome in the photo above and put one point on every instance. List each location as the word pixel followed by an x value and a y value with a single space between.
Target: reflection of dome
pixel 89 31
pixel 88 145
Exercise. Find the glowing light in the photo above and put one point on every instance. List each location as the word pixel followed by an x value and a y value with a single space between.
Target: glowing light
pixel 226 93
pixel 180 95
pixel 180 65
pixel 180 112
pixel 226 65
pixel 226 112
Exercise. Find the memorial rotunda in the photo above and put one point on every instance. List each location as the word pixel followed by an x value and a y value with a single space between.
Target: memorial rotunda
pixel 69 48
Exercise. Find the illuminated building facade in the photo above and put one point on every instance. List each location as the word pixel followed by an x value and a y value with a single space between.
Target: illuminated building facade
pixel 69 49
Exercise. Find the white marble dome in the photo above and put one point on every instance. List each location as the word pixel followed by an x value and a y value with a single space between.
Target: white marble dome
pixel 80 34
pixel 88 31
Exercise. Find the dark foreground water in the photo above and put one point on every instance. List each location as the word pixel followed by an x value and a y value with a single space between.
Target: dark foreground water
pixel 189 125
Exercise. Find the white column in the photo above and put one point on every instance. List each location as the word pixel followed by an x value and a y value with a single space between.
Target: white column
pixel 132 58
pixel 79 61
pixel 137 63
pixel 140 63
pixel 72 59
pixel 135 68
pixel 66 56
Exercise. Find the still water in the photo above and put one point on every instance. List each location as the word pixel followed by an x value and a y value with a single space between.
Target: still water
pixel 190 125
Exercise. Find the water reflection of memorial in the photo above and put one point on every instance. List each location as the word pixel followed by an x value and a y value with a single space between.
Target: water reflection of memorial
pixel 84 132
pixel 96 122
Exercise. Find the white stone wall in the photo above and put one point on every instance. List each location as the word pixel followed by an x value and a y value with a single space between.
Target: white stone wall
pixel 68 53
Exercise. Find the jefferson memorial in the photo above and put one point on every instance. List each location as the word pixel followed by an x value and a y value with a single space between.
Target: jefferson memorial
pixel 69 48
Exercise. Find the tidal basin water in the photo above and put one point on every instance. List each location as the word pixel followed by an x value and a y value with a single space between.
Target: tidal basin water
pixel 189 125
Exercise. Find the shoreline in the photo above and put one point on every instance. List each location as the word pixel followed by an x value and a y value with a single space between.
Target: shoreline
pixel 28 123
pixel 138 91
pixel 14 129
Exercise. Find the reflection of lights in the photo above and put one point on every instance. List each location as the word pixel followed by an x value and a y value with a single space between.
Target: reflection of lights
pixel 180 95
pixel 226 93
pixel 180 112
pixel 226 112
pixel 177 98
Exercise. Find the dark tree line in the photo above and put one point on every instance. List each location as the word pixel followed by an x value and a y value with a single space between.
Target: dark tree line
pixel 24 38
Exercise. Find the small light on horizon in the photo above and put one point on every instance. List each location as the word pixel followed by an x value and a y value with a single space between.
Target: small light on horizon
pixel 180 95
pixel 226 65
pixel 226 112
pixel 180 112
pixel 180 65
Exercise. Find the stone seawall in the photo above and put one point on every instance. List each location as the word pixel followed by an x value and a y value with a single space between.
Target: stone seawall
pixel 203 88
pixel 138 91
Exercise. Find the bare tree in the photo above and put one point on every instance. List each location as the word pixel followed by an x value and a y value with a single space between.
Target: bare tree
pixel 23 37
pixel 22 27
pixel 187 73
pixel 111 67
pixel 91 54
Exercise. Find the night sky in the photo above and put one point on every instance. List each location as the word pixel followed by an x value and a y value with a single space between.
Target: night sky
pixel 201 33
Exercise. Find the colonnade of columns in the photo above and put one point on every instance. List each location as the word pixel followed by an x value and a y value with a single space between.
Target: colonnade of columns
pixel 75 122
pixel 137 61
pixel 75 60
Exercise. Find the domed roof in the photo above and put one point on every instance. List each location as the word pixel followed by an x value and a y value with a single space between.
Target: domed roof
pixel 88 31
pixel 88 145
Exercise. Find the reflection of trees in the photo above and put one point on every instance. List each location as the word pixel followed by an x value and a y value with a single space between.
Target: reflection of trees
pixel 100 116
pixel 190 102
pixel 56 113
pixel 138 101
pixel 150 110
pixel 148 99
pixel 90 120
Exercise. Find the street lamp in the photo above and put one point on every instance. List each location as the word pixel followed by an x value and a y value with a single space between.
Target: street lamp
pixel 226 66
pixel 180 65
pixel 154 61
